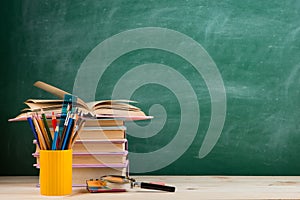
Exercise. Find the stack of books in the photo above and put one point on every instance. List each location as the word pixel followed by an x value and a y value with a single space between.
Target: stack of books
pixel 101 147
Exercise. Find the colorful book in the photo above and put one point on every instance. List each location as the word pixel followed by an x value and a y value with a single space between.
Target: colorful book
pixel 99 158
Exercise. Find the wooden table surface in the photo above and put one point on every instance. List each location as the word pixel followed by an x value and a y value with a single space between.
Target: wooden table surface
pixel 187 187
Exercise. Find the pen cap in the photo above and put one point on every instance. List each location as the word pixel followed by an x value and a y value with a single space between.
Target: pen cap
pixel 55 172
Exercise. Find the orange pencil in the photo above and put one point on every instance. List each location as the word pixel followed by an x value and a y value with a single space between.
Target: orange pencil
pixel 39 133
pixel 43 130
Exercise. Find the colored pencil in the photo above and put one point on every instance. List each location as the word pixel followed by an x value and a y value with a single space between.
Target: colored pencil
pixel 47 128
pixel 54 143
pixel 29 119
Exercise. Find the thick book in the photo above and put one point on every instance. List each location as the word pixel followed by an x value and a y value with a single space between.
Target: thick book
pixel 101 133
pixel 103 122
pixel 98 158
pixel 91 133
pixel 96 146
pixel 82 173
pixel 93 166
pixel 93 146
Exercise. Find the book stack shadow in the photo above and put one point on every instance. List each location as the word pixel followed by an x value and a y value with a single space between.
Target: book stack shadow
pixel 101 148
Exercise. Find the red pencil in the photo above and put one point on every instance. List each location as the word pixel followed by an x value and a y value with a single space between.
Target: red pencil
pixel 54 122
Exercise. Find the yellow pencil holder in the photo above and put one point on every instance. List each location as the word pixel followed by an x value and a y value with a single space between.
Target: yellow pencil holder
pixel 55 172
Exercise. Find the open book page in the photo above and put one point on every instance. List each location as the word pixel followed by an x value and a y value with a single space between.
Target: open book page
pixel 112 104
pixel 44 101
pixel 36 104
pixel 117 112
pixel 48 104
pixel 97 109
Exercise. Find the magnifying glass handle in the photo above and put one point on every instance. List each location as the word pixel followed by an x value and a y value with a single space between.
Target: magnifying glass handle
pixel 153 186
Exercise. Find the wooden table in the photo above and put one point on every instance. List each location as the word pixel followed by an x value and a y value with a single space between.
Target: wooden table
pixel 187 187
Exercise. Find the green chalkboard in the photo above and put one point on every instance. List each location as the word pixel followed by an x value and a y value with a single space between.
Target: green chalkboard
pixel 221 79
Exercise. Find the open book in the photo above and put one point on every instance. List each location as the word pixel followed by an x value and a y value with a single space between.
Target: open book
pixel 96 109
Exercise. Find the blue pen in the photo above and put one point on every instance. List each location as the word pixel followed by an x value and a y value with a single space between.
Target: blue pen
pixel 29 119
pixel 69 129
pixel 55 138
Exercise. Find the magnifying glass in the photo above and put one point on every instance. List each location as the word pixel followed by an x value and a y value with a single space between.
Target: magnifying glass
pixel 133 183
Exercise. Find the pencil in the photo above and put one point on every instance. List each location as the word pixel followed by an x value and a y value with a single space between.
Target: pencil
pixel 75 124
pixel 68 134
pixel 47 128
pixel 29 119
pixel 61 123
pixel 54 143
pixel 43 130
pixel 39 134
pixel 62 137
pixel 54 122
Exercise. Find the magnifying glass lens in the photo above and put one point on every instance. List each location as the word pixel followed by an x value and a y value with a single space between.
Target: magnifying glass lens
pixel 115 179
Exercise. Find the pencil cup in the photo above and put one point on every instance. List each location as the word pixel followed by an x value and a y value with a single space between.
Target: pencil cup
pixel 55 172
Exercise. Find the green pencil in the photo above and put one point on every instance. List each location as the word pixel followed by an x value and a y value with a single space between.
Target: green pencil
pixel 47 128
